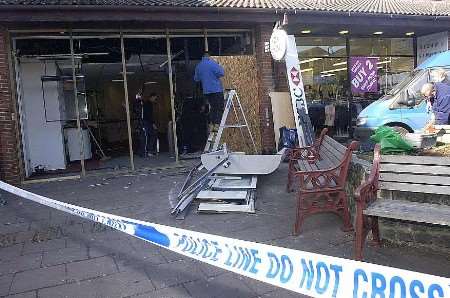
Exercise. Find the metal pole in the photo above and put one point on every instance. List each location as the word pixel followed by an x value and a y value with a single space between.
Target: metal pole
pixel 77 108
pixel 205 34
pixel 127 106
pixel 172 97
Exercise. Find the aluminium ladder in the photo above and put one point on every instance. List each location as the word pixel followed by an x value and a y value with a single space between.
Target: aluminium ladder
pixel 234 102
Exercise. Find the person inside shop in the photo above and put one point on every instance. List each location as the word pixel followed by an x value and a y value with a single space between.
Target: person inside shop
pixel 208 72
pixel 146 126
pixel 438 97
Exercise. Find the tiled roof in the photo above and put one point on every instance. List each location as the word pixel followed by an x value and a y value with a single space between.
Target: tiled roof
pixel 399 7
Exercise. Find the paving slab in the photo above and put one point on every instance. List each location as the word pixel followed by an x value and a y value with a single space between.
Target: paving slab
pixel 111 286
pixel 32 294
pixel 38 278
pixel 5 283
pixel 222 286
pixel 174 273
pixel 173 292
pixel 21 263
pixel 90 268
pixel 65 255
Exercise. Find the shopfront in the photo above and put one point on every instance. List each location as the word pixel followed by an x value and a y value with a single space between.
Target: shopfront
pixel 70 72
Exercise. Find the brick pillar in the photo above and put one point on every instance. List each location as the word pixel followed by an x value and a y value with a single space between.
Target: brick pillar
pixel 266 85
pixel 9 157
pixel 281 81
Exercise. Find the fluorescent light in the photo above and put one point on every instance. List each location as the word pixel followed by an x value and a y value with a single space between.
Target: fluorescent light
pixel 384 62
pixel 128 72
pixel 409 33
pixel 148 83
pixel 307 69
pixel 378 33
pixel 327 75
pixel 380 67
pixel 117 80
pixel 343 32
pixel 340 63
pixel 333 70
pixel 305 31
pixel 310 60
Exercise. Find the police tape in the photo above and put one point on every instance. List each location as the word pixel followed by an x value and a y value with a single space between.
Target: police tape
pixel 303 272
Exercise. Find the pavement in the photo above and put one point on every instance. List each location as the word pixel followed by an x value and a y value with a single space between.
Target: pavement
pixel 48 253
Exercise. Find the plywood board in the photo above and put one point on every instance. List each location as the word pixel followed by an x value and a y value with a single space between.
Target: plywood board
pixel 241 74
pixel 283 114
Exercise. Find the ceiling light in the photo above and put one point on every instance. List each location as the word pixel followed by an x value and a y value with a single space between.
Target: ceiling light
pixel 305 31
pixel 307 69
pixel 333 70
pixel 148 83
pixel 310 60
pixel 340 63
pixel 343 32
pixel 384 62
pixel 128 72
pixel 117 80
pixel 327 75
pixel 378 33
pixel 410 33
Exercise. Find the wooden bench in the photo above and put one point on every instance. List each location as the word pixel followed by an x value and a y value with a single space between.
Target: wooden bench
pixel 417 174
pixel 320 174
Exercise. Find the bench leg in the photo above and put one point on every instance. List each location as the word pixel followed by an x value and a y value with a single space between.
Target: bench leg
pixel 300 217
pixel 375 231
pixel 346 213
pixel 359 239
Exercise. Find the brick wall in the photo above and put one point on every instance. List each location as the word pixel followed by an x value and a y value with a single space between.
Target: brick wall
pixel 9 157
pixel 281 82
pixel 266 81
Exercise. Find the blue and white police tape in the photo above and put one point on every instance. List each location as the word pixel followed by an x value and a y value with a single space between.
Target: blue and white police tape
pixel 307 273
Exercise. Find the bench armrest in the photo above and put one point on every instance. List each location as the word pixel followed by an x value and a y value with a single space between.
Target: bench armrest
pixel 366 193
pixel 331 178
pixel 318 180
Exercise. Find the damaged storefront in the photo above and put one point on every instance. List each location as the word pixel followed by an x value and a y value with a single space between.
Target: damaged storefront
pixel 70 74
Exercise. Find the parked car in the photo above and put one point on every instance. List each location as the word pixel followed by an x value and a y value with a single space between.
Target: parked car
pixel 403 108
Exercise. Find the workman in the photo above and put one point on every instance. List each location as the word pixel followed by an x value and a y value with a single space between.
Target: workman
pixel 209 72
pixel 147 126
pixel 438 95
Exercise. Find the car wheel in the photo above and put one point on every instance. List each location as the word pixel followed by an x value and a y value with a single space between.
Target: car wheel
pixel 401 130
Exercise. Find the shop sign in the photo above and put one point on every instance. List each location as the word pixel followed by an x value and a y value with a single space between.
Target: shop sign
pixel 430 45
pixel 364 74
pixel 278 44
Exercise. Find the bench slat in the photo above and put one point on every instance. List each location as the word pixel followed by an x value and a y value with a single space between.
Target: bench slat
pixel 419 179
pixel 334 147
pixel 419 169
pixel 410 211
pixel 329 158
pixel 335 157
pixel 412 187
pixel 421 160
pixel 335 144
pixel 306 166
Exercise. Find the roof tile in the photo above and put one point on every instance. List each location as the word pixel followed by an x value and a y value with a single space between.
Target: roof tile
pixel 401 7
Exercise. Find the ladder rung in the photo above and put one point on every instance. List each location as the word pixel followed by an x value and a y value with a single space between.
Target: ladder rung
pixel 235 126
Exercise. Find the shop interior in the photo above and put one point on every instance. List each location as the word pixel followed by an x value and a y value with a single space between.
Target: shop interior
pixel 45 69
pixel 325 69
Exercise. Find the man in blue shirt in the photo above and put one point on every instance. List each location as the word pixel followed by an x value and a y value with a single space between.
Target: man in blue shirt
pixel 439 96
pixel 209 72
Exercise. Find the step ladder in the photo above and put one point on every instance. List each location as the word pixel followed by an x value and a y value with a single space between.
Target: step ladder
pixel 233 102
